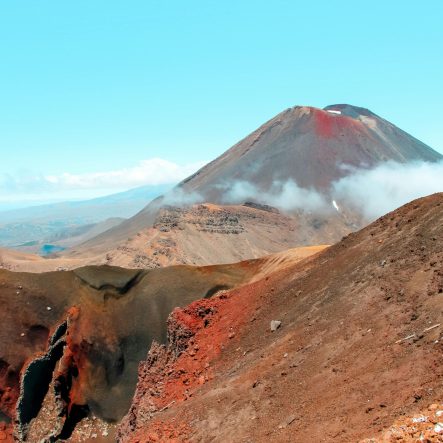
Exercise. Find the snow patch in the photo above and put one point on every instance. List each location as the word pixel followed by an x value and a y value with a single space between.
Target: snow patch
pixel 334 203
pixel 333 111
pixel 372 124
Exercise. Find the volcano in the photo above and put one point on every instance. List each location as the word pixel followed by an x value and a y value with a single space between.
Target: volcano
pixel 309 147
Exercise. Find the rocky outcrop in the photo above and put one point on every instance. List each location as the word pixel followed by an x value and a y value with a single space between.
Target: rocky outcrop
pixel 159 373
pixel 173 373
pixel 222 220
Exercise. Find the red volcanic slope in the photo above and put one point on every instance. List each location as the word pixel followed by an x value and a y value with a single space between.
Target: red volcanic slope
pixel 197 336
pixel 330 125
pixel 359 346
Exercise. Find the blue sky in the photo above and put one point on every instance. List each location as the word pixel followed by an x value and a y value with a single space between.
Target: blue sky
pixel 91 88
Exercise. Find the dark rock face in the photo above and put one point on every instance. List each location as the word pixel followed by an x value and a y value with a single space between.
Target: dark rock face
pixel 77 337
pixel 35 382
pixel 262 207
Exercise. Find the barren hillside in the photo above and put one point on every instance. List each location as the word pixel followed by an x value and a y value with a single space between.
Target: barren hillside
pixel 340 348
pixel 197 235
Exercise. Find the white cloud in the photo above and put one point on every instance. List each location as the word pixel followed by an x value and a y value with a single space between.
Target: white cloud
pixel 178 197
pixel 373 192
pixel 154 171
pixel 283 195
pixel 384 188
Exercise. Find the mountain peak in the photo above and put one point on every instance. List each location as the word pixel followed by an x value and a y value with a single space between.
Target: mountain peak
pixel 303 112
pixel 349 110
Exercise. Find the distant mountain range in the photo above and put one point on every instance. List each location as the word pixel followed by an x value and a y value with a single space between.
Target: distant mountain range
pixel 29 228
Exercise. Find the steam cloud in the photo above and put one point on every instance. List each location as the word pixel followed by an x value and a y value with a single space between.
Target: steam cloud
pixel 178 197
pixel 388 186
pixel 286 196
pixel 373 191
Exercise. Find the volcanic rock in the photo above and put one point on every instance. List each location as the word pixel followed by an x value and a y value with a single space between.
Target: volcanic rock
pixel 275 324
